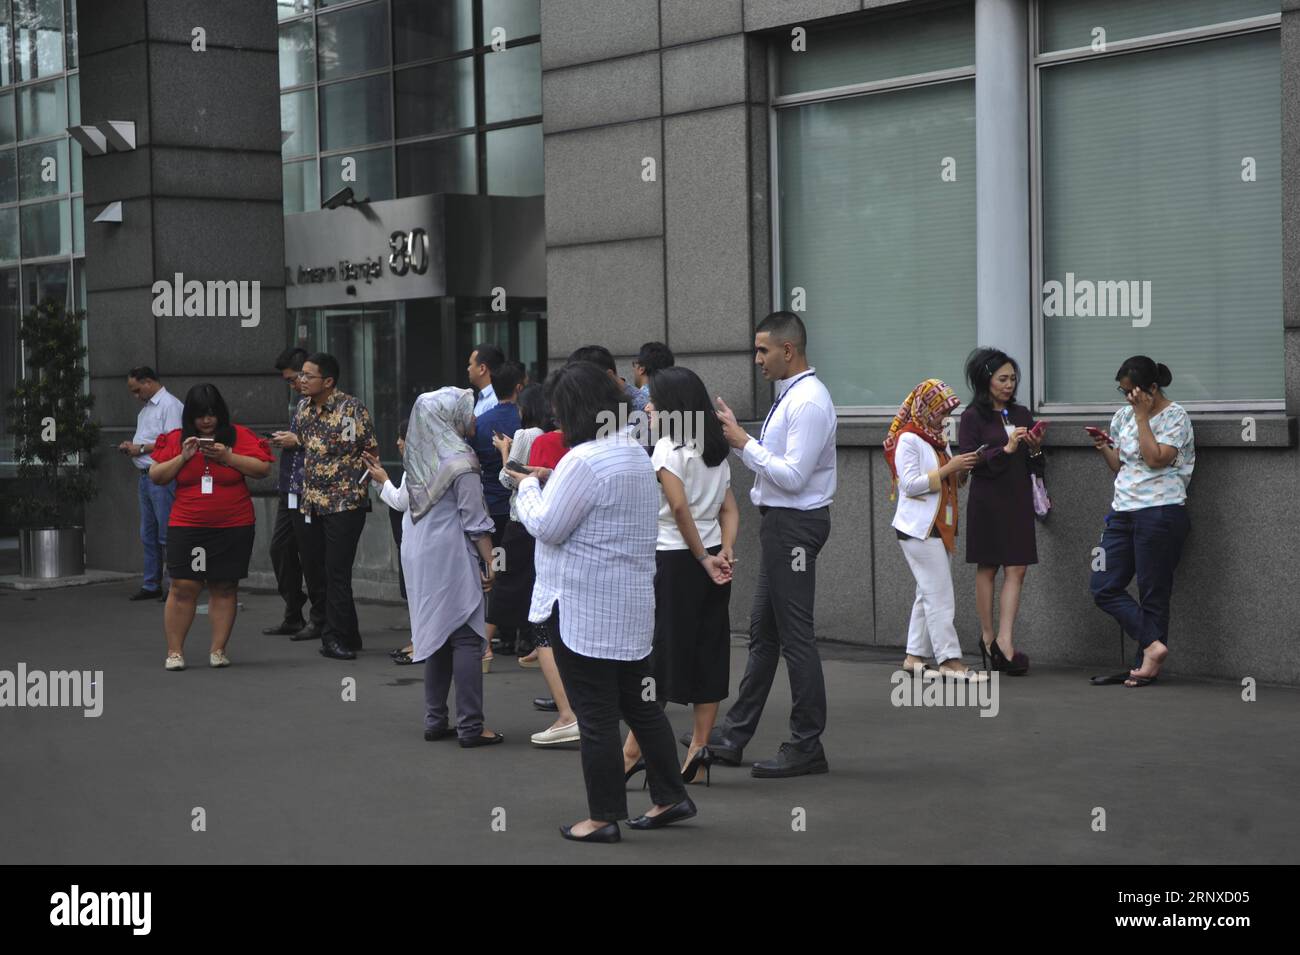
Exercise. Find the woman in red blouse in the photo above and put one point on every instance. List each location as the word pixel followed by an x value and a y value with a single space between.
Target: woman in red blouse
pixel 210 534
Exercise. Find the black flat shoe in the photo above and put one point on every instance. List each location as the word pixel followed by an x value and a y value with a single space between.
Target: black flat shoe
pixel 1110 680
pixel 284 629
pixel 683 810
pixel 545 704
pixel 402 659
pixel 606 833
pixel 143 594
pixel 336 652
pixel 309 632
pixel 432 736
pixel 474 741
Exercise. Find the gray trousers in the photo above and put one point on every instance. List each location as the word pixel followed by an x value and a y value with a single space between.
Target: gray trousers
pixel 781 625
pixel 459 658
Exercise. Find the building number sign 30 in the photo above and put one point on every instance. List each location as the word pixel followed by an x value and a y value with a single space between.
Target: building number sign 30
pixel 408 251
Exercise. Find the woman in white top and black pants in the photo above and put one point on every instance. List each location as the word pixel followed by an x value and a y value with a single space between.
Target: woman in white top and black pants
pixel 698 520
pixel 595 527
pixel 926 522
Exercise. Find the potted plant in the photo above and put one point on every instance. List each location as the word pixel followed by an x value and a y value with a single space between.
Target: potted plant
pixel 55 442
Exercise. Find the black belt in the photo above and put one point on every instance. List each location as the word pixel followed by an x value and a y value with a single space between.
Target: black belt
pixel 764 508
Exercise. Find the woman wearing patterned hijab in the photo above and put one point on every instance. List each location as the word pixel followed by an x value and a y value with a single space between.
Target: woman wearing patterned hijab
pixel 926 522
pixel 446 559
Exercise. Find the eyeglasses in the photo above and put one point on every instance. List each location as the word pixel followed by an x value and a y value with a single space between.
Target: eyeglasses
pixel 303 376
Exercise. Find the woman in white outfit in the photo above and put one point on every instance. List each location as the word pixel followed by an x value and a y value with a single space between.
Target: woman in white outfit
pixel 926 478
pixel 447 560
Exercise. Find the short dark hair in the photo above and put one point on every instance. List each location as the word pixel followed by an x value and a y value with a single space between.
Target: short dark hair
pixel 534 411
pixel 655 356
pixel 980 366
pixel 598 355
pixel 585 400
pixel 401 428
pixel 1143 372
pixel 506 378
pixel 785 327
pixel 490 355
pixel 142 373
pixel 205 399
pixel 291 357
pixel 327 363
pixel 678 393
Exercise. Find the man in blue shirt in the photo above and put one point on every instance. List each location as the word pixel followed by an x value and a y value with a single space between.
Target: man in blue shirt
pixel 484 361
pixel 500 418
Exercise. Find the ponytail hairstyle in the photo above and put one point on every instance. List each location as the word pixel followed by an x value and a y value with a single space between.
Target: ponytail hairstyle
pixel 981 364
pixel 1144 373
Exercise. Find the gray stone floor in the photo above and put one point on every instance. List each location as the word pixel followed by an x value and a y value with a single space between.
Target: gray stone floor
pixel 287 772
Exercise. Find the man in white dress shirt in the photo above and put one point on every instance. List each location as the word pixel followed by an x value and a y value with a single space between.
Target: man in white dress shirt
pixel 484 360
pixel 161 413
pixel 793 461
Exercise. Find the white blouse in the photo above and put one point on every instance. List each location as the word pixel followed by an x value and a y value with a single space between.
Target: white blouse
pixel 595 523
pixel 918 506
pixel 706 490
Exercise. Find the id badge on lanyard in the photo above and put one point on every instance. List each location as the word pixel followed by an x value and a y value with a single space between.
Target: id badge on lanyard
pixel 293 501
pixel 205 484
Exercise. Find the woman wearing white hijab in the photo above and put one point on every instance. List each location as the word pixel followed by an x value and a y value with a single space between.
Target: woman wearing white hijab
pixel 447 560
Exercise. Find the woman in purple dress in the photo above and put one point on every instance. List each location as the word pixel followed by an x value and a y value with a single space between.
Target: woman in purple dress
pixel 1000 507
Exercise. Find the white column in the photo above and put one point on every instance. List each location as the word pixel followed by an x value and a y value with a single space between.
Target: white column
pixel 1002 180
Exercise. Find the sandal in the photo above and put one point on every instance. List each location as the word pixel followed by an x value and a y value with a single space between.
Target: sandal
pixel 1111 680
pixel 1135 681
pixel 402 658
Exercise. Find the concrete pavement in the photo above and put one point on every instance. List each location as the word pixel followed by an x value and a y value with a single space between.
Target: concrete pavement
pixel 286 771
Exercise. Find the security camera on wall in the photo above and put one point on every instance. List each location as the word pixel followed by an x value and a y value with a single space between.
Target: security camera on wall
pixel 344 197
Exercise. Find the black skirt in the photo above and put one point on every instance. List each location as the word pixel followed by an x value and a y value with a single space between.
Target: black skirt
pixel 225 554
pixel 511 595
pixel 692 643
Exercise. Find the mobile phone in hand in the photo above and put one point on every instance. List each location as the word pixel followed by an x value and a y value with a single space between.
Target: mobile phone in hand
pixel 206 442
pixel 981 448
pixel 518 468
pixel 1039 428
pixel 1098 433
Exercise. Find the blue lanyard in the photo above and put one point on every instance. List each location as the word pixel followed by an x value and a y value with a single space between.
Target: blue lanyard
pixel 779 398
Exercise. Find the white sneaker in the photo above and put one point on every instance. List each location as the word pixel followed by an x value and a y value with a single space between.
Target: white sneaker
pixel 175 662
pixel 218 658
pixel 568 733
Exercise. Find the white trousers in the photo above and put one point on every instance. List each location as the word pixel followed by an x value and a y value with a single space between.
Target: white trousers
pixel 931 632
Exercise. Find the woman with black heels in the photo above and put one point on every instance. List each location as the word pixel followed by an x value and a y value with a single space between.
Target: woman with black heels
pixel 698 521
pixel 595 527
pixel 1000 522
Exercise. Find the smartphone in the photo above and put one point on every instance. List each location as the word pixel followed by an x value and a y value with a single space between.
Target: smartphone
pixel 268 434
pixel 1098 433
pixel 206 441
pixel 517 468
pixel 1038 429
pixel 982 447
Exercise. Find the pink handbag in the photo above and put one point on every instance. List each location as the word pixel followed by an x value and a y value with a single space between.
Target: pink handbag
pixel 1042 503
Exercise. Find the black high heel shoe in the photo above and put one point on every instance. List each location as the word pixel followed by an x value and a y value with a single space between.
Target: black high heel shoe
pixel 703 758
pixel 984 653
pixel 1018 665
pixel 637 767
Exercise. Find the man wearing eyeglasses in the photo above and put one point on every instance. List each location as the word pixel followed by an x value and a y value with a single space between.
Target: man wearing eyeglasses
pixel 334 430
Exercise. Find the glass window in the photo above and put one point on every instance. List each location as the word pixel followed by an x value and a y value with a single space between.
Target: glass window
pixel 38 37
pixel 74 154
pixel 1150 224
pixel 1070 24
pixel 301 192
pixel 514 161
pixel 47 280
pixel 291 8
pixel 355 113
pixel 7 132
pixel 841 56
pixel 517 17
pixel 513 83
pixel 352 41
pixel 882 246
pixel 435 99
pixel 6 46
pixel 10 355
pixel 439 165
pixel 43 169
pixel 74 99
pixel 8 176
pixel 78 226
pixel 297 54
pixel 46 229
pixel 9 236
pixel 42 110
pixel 70 31
pixel 424 30
pixel 298 123
pixel 373 170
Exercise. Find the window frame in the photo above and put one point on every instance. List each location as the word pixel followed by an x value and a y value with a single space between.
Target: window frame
pixel 1036 62
pixel 777 103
